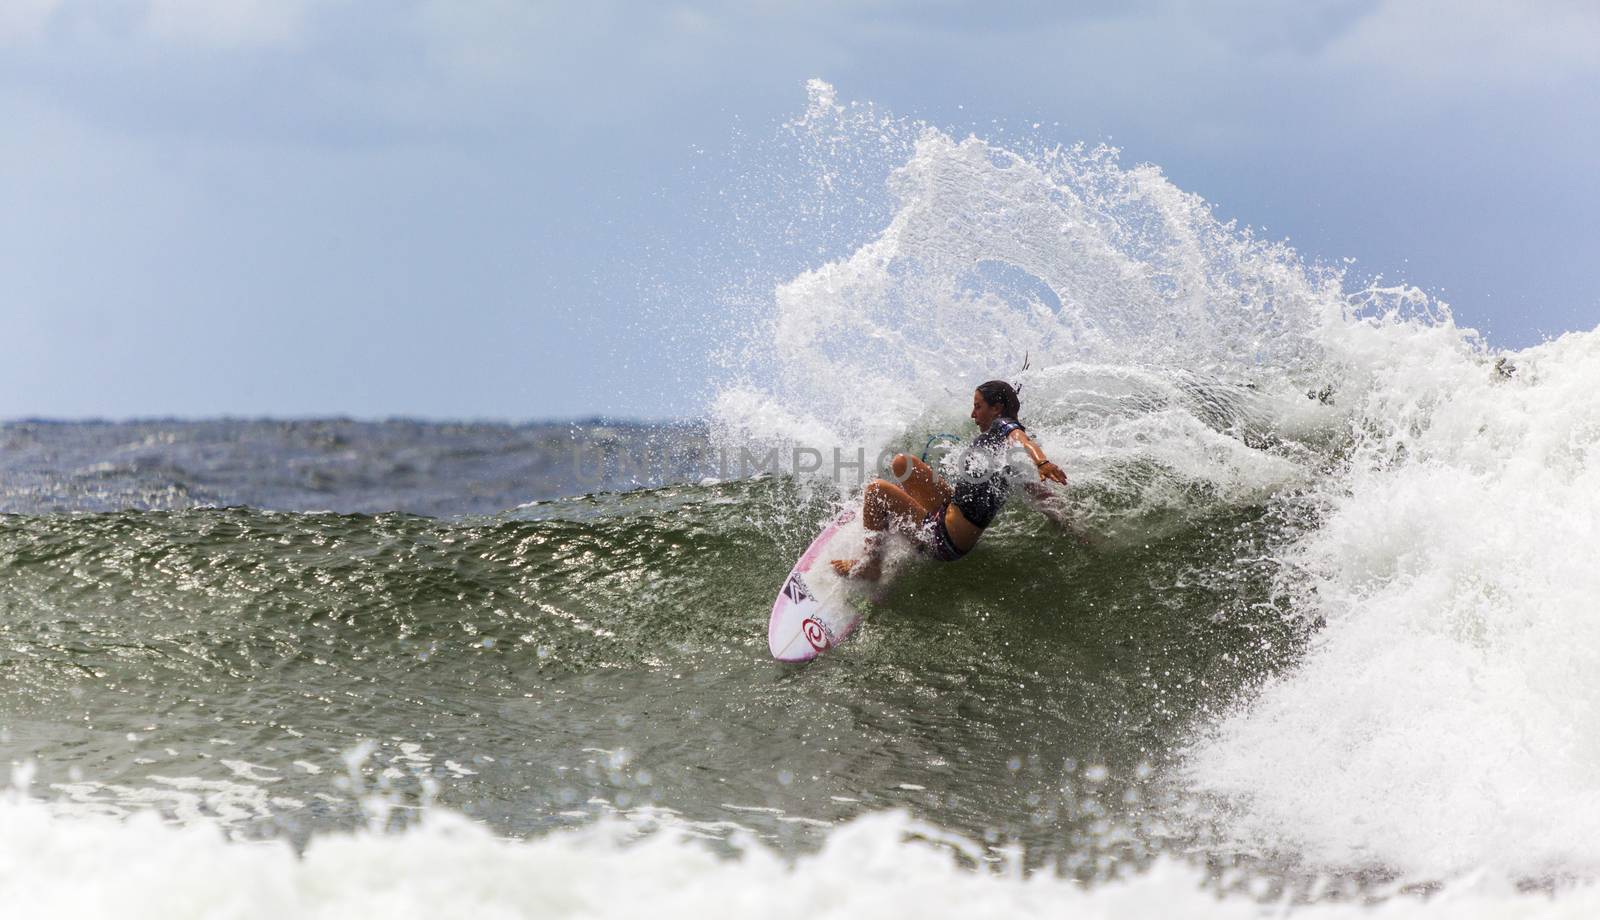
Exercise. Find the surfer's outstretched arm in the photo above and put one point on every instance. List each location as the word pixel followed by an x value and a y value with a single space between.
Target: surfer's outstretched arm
pixel 1047 468
pixel 1045 501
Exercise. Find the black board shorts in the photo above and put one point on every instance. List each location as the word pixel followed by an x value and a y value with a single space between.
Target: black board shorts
pixel 932 539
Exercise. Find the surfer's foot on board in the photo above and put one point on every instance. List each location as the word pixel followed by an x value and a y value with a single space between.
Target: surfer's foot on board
pixel 867 569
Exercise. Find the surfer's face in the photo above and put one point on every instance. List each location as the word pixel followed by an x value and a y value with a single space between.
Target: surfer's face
pixel 983 413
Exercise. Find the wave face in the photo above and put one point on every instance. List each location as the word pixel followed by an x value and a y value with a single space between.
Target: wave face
pixel 1317 627
pixel 608 651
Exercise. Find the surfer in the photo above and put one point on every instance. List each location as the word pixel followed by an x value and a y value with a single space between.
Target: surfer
pixel 945 520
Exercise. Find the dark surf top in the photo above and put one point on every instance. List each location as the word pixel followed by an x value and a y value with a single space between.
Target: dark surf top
pixel 981 480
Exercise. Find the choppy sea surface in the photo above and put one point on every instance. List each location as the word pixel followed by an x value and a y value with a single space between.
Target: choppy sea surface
pixel 1312 630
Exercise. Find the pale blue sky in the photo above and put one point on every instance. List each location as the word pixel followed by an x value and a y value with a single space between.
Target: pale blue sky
pixel 503 208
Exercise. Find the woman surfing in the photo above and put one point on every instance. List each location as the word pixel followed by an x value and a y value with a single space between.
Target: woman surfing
pixel 945 520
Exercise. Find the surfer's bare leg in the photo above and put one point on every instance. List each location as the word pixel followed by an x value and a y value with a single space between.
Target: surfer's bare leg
pixel 920 481
pixel 884 506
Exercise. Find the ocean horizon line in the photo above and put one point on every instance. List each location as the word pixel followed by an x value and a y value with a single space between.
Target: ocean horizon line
pixel 597 420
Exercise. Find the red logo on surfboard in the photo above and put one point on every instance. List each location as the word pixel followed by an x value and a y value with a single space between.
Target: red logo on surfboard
pixel 816 633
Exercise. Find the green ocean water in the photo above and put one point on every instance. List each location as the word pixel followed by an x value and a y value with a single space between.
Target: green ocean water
pixel 606 652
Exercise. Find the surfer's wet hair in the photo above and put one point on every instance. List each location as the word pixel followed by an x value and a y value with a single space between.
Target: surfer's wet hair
pixel 1002 394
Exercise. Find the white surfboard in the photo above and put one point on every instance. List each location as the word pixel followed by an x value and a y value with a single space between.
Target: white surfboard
pixel 814 610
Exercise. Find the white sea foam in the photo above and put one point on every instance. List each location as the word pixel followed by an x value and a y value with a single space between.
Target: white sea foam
pixel 883 864
pixel 1152 331
pixel 1444 719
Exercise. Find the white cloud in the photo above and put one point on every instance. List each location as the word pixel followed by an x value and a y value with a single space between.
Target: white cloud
pixel 499 41
pixel 23 20
pixel 1443 45
pixel 1282 31
pixel 226 23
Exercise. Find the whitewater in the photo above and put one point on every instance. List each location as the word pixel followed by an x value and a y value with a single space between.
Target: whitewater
pixel 1319 638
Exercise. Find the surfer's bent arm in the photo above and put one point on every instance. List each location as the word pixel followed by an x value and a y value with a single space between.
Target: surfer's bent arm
pixel 1047 468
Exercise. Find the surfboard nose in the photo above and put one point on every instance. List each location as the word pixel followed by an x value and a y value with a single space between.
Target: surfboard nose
pixel 803 626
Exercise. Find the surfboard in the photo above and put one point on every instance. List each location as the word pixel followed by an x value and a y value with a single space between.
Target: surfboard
pixel 813 612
